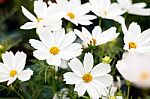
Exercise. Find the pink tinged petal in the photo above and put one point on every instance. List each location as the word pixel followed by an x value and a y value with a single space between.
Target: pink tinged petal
pixel 59 36
pixel 4 78
pixel 100 69
pixel 106 80
pixel 8 59
pixel 54 60
pixel 41 54
pixel 68 39
pixel 28 14
pixel 40 8
pixel 20 60
pixel 88 62
pixel 46 37
pixel 11 80
pixel 133 31
pixel 92 91
pixel 37 44
pixel 71 78
pixel 81 88
pixel 77 67
pixel 25 75
pixel 29 25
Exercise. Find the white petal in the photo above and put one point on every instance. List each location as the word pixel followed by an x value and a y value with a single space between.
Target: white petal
pixel 77 67
pixel 37 44
pixel 106 80
pixel 139 5
pixel 4 69
pixel 96 31
pixel 100 69
pixel 20 60
pixel 64 64
pixel 63 3
pixel 68 39
pixel 28 14
pixel 41 54
pixel 59 36
pixel 71 51
pixel 125 4
pixel 46 37
pixel 8 59
pixel 81 35
pixel 134 31
pixel 54 60
pixel 40 8
pixel 4 78
pixel 92 91
pixel 80 88
pixel 88 62
pixel 29 25
pixel 25 75
pixel 11 80
pixel 86 33
pixel 72 78
pixel 139 11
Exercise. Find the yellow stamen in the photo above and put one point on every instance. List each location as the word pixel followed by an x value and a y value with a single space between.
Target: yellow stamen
pixel 93 41
pixel 87 78
pixel 39 19
pixel 132 45
pixel 54 50
pixel 144 76
pixel 12 73
pixel 71 15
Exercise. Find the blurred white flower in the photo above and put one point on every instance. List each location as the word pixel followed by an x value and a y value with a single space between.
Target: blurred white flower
pixel 76 12
pixel 86 77
pixel 136 8
pixel 12 67
pixel 48 17
pixel 135 68
pixel 56 46
pixel 62 94
pixel 97 37
pixel 134 40
pixel 107 10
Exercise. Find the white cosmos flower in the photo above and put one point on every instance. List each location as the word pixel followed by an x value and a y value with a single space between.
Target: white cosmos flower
pixel 86 77
pixel 12 68
pixel 136 8
pixel 55 47
pixel 135 68
pixel 107 10
pixel 76 12
pixel 97 37
pixel 48 17
pixel 134 40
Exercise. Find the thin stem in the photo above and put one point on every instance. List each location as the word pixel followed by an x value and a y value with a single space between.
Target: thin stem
pixel 128 91
pixel 100 21
pixel 53 80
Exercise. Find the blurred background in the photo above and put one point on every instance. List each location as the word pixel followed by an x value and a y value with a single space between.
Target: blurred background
pixel 14 39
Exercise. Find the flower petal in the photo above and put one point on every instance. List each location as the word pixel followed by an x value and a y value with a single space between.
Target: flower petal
pixel 100 69
pixel 29 25
pixel 41 54
pixel 88 62
pixel 76 66
pixel 54 60
pixel 11 80
pixel 81 88
pixel 28 14
pixel 25 75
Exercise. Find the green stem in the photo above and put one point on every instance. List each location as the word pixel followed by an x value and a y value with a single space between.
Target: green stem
pixel 100 21
pixel 128 91
pixel 53 80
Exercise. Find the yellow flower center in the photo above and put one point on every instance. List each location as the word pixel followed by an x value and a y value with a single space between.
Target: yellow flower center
pixel 12 73
pixel 39 19
pixel 71 15
pixel 132 45
pixel 144 76
pixel 93 41
pixel 87 77
pixel 54 50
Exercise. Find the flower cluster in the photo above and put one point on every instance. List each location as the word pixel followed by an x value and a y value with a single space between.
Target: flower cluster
pixel 56 45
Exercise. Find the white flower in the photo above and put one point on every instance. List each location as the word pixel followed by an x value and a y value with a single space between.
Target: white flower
pixel 76 12
pixel 134 40
pixel 104 9
pixel 56 46
pixel 135 68
pixel 97 37
pixel 48 17
pixel 12 68
pixel 136 8
pixel 86 77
